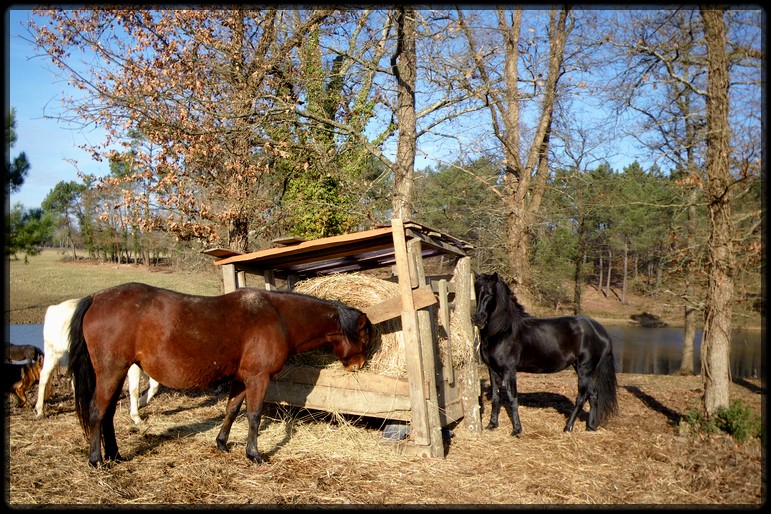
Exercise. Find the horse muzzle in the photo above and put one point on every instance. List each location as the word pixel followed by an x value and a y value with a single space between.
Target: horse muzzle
pixel 355 363
pixel 479 319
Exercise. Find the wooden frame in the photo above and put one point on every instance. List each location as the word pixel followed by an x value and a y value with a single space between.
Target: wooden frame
pixel 432 395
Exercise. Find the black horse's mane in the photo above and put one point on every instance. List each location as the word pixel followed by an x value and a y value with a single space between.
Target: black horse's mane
pixel 508 311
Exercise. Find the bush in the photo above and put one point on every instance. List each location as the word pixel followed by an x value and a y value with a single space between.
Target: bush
pixel 736 420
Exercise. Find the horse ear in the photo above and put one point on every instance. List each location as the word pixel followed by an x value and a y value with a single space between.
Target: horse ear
pixel 363 321
pixel 495 276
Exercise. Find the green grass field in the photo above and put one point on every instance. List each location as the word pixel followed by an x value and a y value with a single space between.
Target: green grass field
pixel 50 278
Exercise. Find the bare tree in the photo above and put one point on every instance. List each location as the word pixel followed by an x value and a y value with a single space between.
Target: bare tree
pixel 524 178
pixel 716 344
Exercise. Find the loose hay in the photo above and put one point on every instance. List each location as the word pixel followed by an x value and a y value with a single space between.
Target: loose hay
pixel 638 459
pixel 387 355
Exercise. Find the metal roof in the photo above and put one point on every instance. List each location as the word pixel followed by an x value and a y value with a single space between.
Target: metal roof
pixel 338 254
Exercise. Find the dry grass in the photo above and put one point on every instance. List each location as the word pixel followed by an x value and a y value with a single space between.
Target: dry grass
pixel 49 279
pixel 638 459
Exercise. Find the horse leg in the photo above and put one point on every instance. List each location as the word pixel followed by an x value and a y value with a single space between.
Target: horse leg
pixel 255 398
pixel 101 414
pixel 495 399
pixel 134 375
pixel 44 386
pixel 108 430
pixel 18 388
pixel 510 389
pixel 591 423
pixel 237 393
pixel 151 390
pixel 584 384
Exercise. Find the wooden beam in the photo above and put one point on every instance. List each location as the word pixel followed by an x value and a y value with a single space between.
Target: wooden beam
pixel 388 309
pixel 419 429
pixel 427 338
pixel 470 387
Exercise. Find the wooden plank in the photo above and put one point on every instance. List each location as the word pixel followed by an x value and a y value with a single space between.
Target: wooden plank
pixel 220 253
pixel 432 241
pixel 358 241
pixel 388 309
pixel 469 383
pixel 427 340
pixel 337 390
pixel 444 316
pixel 419 430
pixel 338 377
pixel 229 278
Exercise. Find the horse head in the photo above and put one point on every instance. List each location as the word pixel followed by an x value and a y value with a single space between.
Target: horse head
pixel 484 288
pixel 357 333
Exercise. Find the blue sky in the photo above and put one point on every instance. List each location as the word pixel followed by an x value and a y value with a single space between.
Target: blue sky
pixel 34 91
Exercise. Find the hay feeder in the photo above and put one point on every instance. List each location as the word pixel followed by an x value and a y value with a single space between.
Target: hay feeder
pixel 435 391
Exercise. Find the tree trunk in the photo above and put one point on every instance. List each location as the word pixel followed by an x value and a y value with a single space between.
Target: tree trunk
pixel 238 234
pixel 607 278
pixel 716 344
pixel 689 323
pixel 623 278
pixel 580 258
pixel 404 64
pixel 599 282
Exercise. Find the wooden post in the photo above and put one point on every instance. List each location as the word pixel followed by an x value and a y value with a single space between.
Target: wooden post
pixel 427 338
pixel 419 429
pixel 469 383
pixel 444 315
pixel 229 278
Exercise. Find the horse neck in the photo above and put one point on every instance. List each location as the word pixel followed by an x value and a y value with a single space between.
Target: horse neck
pixel 315 326
pixel 508 313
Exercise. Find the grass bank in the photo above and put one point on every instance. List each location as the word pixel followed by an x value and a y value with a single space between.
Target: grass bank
pixel 50 278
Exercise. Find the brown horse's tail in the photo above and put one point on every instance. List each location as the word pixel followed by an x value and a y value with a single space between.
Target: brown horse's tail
pixel 80 365
pixel 604 379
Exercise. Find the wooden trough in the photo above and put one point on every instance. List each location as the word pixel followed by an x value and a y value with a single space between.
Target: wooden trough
pixel 433 394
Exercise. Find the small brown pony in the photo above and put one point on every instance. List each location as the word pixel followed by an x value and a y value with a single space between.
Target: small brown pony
pixel 20 377
pixel 196 343
pixel 22 352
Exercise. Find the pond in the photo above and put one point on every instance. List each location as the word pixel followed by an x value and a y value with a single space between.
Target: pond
pixel 636 349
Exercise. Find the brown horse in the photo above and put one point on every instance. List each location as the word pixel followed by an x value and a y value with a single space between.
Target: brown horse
pixel 196 343
pixel 22 352
pixel 20 377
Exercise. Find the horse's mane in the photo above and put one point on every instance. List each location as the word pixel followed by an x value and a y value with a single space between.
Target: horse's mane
pixel 348 316
pixel 508 311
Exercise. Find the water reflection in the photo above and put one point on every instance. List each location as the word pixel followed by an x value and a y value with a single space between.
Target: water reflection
pixel 659 351
pixel 636 349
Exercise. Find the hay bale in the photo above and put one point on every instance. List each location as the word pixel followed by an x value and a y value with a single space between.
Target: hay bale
pixel 386 355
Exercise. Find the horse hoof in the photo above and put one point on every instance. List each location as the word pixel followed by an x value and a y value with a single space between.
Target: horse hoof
pixel 516 432
pixel 256 459
pixel 491 427
pixel 222 446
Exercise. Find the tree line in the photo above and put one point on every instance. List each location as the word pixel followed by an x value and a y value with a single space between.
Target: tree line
pixel 232 127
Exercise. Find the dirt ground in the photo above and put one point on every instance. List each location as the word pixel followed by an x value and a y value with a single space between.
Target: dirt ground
pixel 642 457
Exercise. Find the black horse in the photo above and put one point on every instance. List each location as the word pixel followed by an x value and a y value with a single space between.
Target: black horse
pixel 512 340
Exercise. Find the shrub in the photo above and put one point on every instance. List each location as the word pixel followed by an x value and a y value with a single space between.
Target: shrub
pixel 735 420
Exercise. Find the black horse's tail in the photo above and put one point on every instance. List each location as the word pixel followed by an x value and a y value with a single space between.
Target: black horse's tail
pixel 604 378
pixel 80 365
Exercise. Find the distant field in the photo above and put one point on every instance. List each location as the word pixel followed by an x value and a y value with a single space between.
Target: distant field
pixel 49 279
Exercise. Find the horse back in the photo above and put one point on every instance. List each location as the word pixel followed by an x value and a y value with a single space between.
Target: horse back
pixel 56 330
pixel 182 341
pixel 549 345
